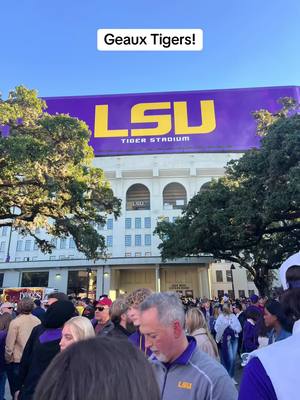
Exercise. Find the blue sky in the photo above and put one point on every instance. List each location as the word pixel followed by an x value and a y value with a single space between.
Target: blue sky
pixel 51 46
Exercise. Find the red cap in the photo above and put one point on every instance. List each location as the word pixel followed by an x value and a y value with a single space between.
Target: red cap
pixel 105 301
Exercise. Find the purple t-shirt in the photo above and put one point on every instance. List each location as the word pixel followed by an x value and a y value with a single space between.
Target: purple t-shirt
pixel 256 384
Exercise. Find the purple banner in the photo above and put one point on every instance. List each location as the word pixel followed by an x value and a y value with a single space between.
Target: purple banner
pixel 175 122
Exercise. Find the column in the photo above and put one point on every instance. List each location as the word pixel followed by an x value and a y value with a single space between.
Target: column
pixel 205 282
pixel 157 278
pixel 58 279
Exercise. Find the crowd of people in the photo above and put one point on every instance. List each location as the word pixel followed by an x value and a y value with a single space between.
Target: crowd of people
pixel 150 346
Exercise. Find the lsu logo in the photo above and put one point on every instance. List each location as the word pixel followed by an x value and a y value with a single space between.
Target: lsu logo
pixel 184 385
pixel 178 110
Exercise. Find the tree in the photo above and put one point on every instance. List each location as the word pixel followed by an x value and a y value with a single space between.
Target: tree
pixel 250 216
pixel 46 176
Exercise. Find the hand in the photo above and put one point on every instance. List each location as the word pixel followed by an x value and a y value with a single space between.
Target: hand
pixel 16 396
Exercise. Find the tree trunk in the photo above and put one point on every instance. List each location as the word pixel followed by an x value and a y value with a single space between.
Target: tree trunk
pixel 262 285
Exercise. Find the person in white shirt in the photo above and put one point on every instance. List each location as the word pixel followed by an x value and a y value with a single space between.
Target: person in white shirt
pixel 227 329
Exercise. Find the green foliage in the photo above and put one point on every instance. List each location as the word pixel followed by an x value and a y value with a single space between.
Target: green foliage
pixel 252 215
pixel 46 173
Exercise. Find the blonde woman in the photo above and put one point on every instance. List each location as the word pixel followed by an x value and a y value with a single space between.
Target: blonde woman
pixel 76 329
pixel 196 326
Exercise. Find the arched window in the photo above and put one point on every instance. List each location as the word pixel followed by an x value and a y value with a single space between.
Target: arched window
pixel 174 196
pixel 205 187
pixel 138 197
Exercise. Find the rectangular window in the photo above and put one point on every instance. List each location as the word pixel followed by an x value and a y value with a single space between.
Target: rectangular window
pixel 53 241
pixel 251 292
pixel 148 253
pixel 127 240
pixel 241 293
pixel 138 255
pixel 148 240
pixel 228 275
pixel 109 224
pixel 63 243
pixel 127 254
pixel 51 258
pixel 19 245
pixel 127 223
pixel 109 241
pixel 138 223
pixel 2 247
pixel 35 246
pixel 71 243
pixel 27 245
pixel 220 293
pixel 138 240
pixel 219 276
pixel 4 231
pixel 231 294
pixel 35 279
pixel 147 222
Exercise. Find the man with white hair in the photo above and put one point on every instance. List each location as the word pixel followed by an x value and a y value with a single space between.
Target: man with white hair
pixel 182 369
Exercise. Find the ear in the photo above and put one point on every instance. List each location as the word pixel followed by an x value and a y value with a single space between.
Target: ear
pixel 177 329
pixel 123 317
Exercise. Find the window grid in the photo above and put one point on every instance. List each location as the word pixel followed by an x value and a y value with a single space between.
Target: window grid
pixel 138 240
pixel 4 231
pixel 63 243
pixel 147 222
pixel 127 223
pixel 219 276
pixel 109 224
pixel 109 241
pixel 27 245
pixel 127 240
pixel 148 240
pixel 138 223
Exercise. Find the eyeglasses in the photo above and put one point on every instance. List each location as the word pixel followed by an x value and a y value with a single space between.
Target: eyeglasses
pixel 100 308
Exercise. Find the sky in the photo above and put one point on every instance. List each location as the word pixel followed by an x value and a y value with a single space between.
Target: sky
pixel 52 46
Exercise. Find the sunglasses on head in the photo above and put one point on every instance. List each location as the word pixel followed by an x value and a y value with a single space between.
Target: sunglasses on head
pixel 100 308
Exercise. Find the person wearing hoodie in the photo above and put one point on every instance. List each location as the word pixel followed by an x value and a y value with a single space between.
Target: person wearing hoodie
pixel 42 346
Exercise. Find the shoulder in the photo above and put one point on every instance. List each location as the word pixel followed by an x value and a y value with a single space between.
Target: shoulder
pixel 206 365
pixel 256 384
pixel 213 375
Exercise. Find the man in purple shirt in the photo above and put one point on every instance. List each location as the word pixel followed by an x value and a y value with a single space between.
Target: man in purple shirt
pixel 182 370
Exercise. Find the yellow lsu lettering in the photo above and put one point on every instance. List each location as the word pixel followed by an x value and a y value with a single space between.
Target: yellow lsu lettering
pixel 184 385
pixel 164 122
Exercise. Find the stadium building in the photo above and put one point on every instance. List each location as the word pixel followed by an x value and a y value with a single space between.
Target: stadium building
pixel 157 150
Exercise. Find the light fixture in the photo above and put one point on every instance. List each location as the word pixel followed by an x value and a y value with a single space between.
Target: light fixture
pixel 106 274
pixel 58 276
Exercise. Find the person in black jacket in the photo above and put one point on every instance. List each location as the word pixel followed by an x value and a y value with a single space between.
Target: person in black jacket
pixel 239 312
pixel 42 346
pixel 123 327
